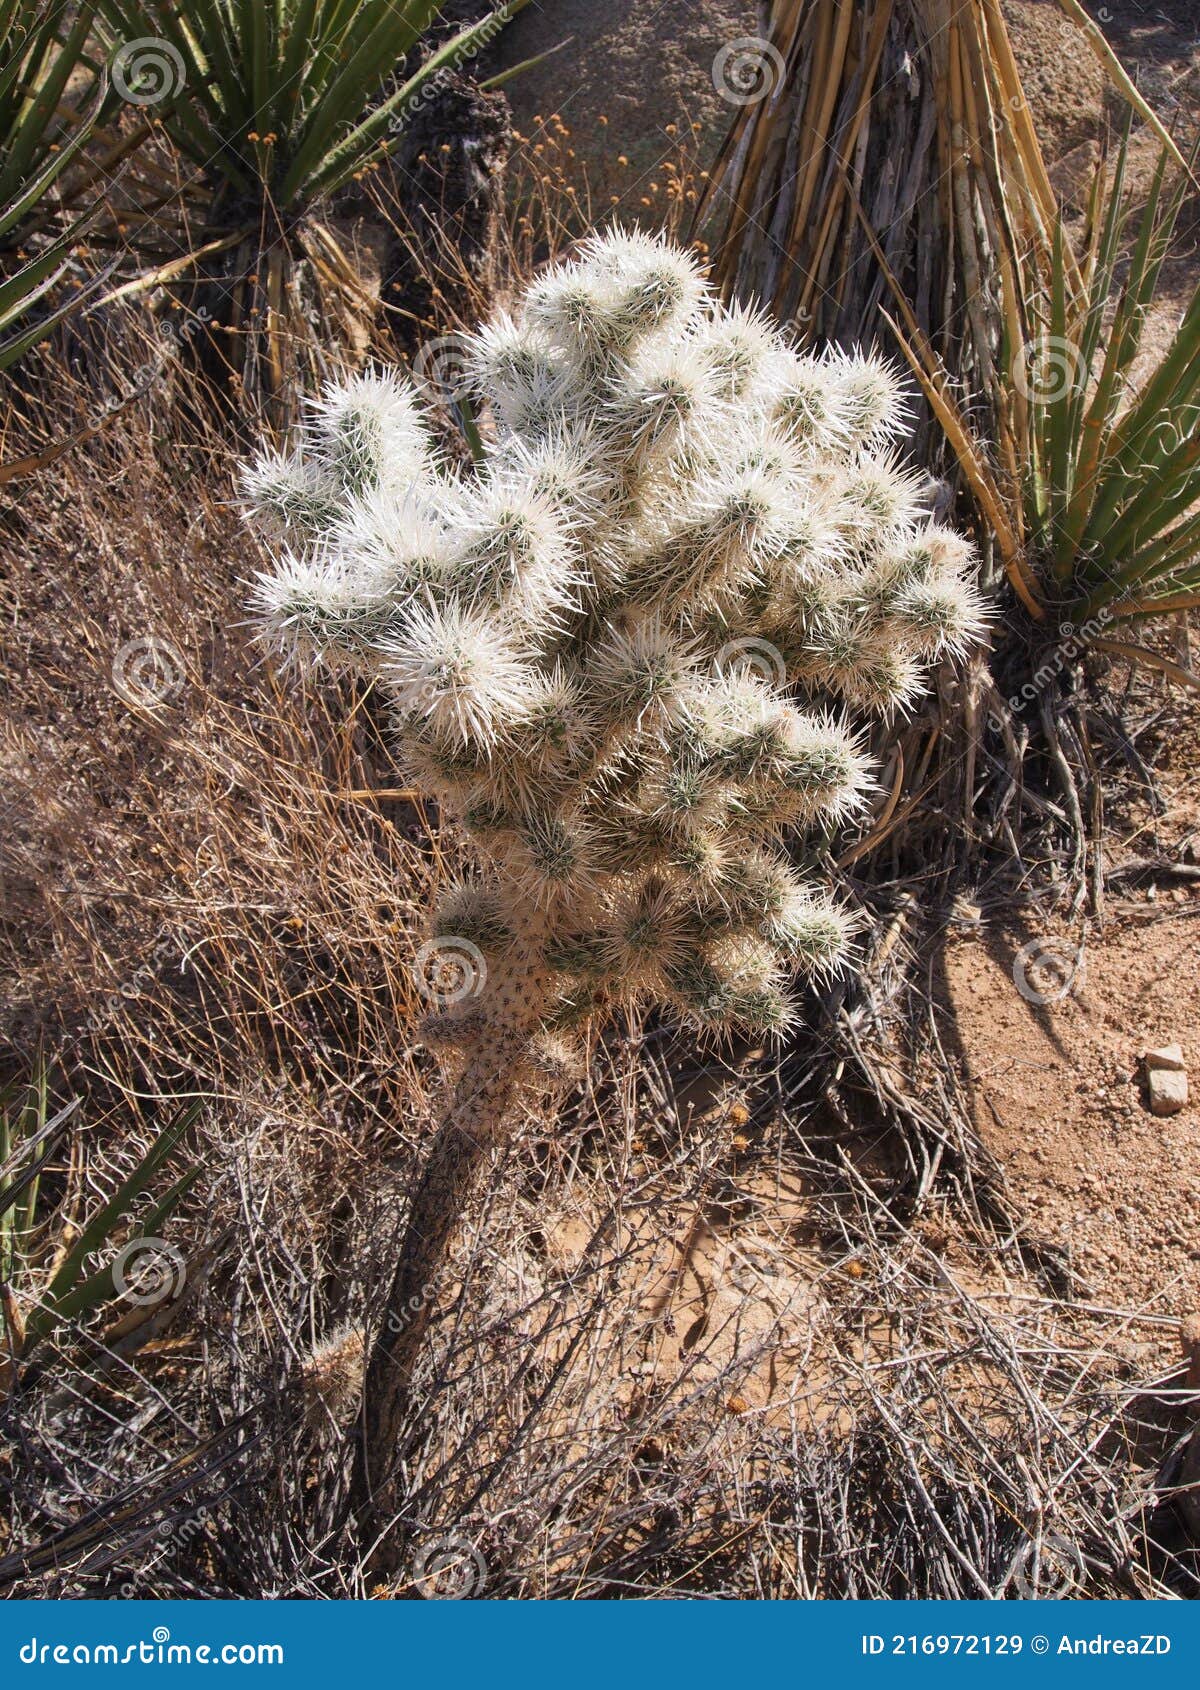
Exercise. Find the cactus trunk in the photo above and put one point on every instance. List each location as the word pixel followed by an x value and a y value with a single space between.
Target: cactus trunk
pixel 478 1123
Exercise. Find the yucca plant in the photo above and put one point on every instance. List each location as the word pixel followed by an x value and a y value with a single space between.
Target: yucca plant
pixel 50 1274
pixel 273 107
pixel 1113 466
pixel 42 133
pixel 28 1135
pixel 592 643
pixel 23 290
pixel 1096 516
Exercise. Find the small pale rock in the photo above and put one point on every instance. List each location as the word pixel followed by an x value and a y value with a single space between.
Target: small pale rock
pixel 1166 1057
pixel 1168 1091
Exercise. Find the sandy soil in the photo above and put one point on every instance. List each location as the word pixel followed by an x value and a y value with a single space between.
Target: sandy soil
pixel 638 64
pixel 1059 1086
pixel 1060 1098
pixel 1063 81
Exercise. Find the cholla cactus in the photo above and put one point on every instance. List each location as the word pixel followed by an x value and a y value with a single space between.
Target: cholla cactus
pixel 620 651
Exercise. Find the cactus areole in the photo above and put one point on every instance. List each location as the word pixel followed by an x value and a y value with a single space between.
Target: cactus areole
pixel 623 652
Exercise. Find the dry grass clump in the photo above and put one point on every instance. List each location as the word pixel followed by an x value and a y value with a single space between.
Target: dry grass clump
pixel 623 1400
pixel 204 899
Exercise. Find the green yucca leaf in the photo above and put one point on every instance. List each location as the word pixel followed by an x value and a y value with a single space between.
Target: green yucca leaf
pixel 99 1288
pixel 21 292
pixel 1107 216
pixel 29 1140
pixel 26 286
pixel 510 75
pixel 1118 352
pixel 69 1277
pixel 39 62
pixel 1167 494
pixel 13 213
pixel 33 282
pixel 1060 410
pixel 297 36
pixel 212 82
pixel 40 137
pixel 345 96
pixel 1163 401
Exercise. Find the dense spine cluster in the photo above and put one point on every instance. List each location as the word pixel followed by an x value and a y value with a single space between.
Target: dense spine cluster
pixel 620 651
